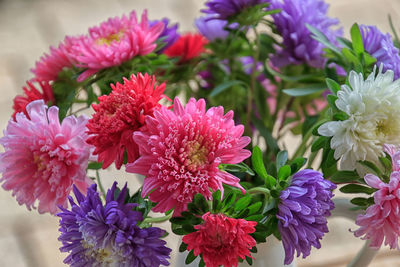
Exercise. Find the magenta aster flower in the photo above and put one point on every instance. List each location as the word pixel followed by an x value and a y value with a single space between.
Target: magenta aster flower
pixel 303 209
pixel 115 41
pixel 43 158
pixel 381 221
pixel 181 150
pixel 50 65
pixel 98 235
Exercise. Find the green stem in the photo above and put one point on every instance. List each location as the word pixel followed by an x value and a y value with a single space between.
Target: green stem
pixel 259 190
pixel 252 83
pixel 99 183
pixel 303 146
pixel 158 219
pixel 312 158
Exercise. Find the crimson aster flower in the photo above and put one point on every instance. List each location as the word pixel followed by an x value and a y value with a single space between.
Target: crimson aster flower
pixel 108 235
pixel 221 240
pixel 50 65
pixel 180 152
pixel 187 47
pixel 32 94
pixel 115 41
pixel 121 113
pixel 43 158
pixel 381 221
pixel 302 212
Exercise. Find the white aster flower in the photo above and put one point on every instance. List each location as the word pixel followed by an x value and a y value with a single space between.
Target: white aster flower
pixel 373 107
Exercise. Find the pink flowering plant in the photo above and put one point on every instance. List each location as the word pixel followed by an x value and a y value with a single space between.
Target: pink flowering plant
pixel 204 117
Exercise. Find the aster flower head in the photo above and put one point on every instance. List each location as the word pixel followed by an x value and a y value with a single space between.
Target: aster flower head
pixel 224 9
pixel 115 41
pixel 121 113
pixel 298 46
pixel 381 221
pixel 31 93
pixel 181 151
pixel 108 235
pixel 221 240
pixel 302 212
pixel 169 35
pixel 187 47
pixel 381 46
pixel 373 107
pixel 44 157
pixel 212 29
pixel 50 65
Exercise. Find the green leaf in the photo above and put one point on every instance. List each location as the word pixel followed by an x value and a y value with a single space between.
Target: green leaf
pixel 332 85
pixel 356 38
pixel 281 159
pixel 216 201
pixel 368 59
pixel 318 143
pixel 240 167
pixel 298 78
pixel 284 173
pixel 253 208
pixel 344 42
pixel 320 37
pixel 95 165
pixel 297 164
pixel 249 260
pixel 182 247
pixel 309 123
pixel 360 201
pixel 371 166
pixel 258 163
pixel 242 203
pixel 228 201
pixel 224 86
pixel 331 100
pixel 190 257
pixel 356 188
pixel 266 133
pixel 201 203
pixel 307 90
pixel 344 177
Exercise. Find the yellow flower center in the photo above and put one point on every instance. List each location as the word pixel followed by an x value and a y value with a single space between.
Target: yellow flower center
pixel 107 40
pixel 39 163
pixel 197 154
pixel 100 255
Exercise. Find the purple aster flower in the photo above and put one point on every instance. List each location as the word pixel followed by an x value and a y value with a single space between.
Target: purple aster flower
pixel 169 34
pixel 212 29
pixel 223 9
pixel 381 47
pixel 107 235
pixel 303 209
pixel 298 46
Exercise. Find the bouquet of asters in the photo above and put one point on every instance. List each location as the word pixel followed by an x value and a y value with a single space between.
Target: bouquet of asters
pixel 204 117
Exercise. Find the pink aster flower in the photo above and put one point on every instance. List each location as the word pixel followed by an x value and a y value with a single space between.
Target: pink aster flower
pixel 43 158
pixel 121 113
pixel 115 41
pixel 381 221
pixel 181 150
pixel 221 240
pixel 50 65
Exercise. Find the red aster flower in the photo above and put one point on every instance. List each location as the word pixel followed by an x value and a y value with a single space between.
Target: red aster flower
pixel 120 114
pixel 187 47
pixel 31 94
pixel 221 240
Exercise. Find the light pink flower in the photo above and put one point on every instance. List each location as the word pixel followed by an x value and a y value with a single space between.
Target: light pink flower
pixel 43 158
pixel 50 65
pixel 394 152
pixel 381 222
pixel 115 41
pixel 181 150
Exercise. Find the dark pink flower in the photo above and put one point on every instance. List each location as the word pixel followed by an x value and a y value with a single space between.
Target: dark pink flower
pixel 181 150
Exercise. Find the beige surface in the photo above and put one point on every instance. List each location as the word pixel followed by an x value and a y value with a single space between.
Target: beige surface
pixel 28 27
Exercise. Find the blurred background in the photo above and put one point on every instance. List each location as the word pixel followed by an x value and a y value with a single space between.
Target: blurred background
pixel 29 27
